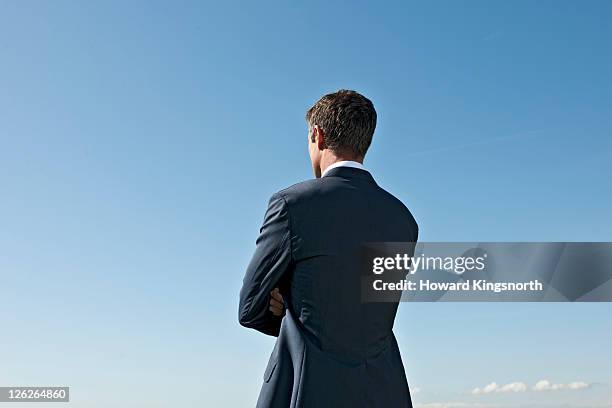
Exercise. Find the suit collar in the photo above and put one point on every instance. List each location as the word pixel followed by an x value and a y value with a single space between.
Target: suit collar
pixel 344 163
pixel 348 172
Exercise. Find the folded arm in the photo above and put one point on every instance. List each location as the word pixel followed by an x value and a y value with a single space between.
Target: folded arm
pixel 269 264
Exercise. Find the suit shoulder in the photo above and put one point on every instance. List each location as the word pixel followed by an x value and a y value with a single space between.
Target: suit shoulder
pixel 399 203
pixel 299 190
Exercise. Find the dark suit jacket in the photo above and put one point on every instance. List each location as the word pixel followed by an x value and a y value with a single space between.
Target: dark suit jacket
pixel 333 350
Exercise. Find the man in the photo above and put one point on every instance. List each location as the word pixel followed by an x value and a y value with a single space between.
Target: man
pixel 304 284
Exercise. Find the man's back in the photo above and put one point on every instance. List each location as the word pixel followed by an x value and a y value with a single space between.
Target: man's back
pixel 331 218
pixel 304 281
pixel 333 349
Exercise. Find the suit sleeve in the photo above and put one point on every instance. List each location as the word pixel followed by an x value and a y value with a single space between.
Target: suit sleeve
pixel 269 263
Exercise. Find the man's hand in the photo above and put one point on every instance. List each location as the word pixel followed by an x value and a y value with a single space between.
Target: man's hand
pixel 277 306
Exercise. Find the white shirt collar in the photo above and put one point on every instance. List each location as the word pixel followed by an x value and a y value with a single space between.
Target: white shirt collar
pixel 344 163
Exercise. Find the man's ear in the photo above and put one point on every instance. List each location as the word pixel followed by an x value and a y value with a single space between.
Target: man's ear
pixel 319 137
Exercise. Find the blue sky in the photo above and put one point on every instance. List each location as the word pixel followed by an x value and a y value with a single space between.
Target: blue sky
pixel 140 141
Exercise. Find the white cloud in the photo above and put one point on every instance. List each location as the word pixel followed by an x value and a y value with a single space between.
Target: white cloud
pixel 542 385
pixel 545 385
pixel 490 388
pixel 514 387
pixel 577 385
pixel 493 387
pixel 486 389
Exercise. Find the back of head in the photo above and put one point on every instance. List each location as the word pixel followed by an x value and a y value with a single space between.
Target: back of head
pixel 348 120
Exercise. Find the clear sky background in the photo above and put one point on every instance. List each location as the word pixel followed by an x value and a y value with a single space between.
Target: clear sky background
pixel 140 141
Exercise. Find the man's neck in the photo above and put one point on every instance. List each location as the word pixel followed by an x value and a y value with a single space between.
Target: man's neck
pixel 328 160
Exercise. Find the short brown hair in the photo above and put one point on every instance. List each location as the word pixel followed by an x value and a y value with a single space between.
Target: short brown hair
pixel 348 120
